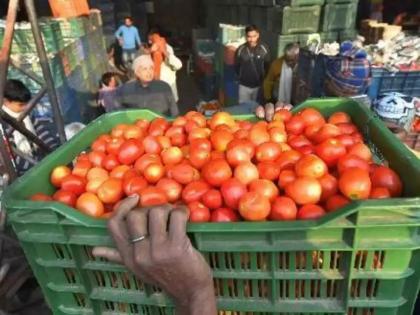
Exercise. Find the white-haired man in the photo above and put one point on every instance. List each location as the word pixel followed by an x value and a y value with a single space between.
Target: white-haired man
pixel 146 93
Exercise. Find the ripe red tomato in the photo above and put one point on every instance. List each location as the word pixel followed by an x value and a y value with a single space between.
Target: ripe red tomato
pixel 347 140
pixel 347 128
pixel 246 172
pixel 215 155
pixel 286 177
pixel 133 185
pixel 154 172
pixel 265 188
pixel 90 204
pixel 306 149
pixel 152 196
pixel 349 161
pixel 164 142
pixel 96 158
pixel 221 118
pixel 111 190
pixel 383 176
pixel 171 188
pixel 336 202
pixel 330 151
pixel 133 132
pixel 194 191
pixel 191 125
pixel 130 151
pixel 113 146
pixel 311 131
pixel 110 162
pixel 158 127
pixel 224 215
pixel 295 125
pixel 131 173
pixel 200 144
pixel 184 174
pixel 288 159
pixel 67 197
pixel 216 172
pixel 220 139
pixel 58 174
pixel 179 140
pixel 198 158
pixel 327 131
pixel 380 193
pixel 339 118
pixel 74 183
pixel 81 168
pixel 241 134
pixel 298 141
pixel 118 130
pixel 362 151
pixel 311 116
pixel 282 115
pixel 145 160
pixel 258 135
pixel 99 145
pixel 254 207
pixel 120 171
pixel 277 135
pixel 355 183
pixel 198 212
pixel 212 199
pixel 329 185
pixel 172 156
pixel 151 145
pixel 97 172
pixel 199 133
pixel 199 118
pixel 268 152
pixel 310 212
pixel 283 209
pixel 174 130
pixel 232 190
pixel 41 197
pixel 310 166
pixel 304 190
pixel 239 151
pixel 269 170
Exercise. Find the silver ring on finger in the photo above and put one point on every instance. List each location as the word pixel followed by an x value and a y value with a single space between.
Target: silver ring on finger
pixel 138 239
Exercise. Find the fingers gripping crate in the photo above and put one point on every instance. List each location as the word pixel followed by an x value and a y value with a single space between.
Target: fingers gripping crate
pixel 362 259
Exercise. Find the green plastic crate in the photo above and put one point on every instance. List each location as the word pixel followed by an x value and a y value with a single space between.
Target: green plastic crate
pixel 344 35
pixel 300 3
pixel 296 20
pixel 362 259
pixel 337 17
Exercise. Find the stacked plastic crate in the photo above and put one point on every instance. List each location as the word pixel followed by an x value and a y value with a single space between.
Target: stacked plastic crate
pixel 77 57
pixel 228 40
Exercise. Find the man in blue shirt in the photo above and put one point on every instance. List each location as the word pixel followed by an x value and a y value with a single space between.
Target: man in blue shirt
pixel 129 39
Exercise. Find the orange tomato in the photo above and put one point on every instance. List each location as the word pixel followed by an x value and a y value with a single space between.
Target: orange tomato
pixel 254 206
pixel 111 190
pixel 355 183
pixel 310 166
pixel 304 190
pixel 265 188
pixel 90 204
pixel 58 174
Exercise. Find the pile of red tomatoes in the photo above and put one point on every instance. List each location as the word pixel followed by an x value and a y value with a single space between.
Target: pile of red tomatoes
pixel 299 166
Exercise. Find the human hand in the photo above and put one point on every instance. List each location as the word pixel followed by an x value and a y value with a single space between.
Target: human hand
pixel 153 244
pixel 121 41
pixel 268 110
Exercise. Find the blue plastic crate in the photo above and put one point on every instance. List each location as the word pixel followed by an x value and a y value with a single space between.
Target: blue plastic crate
pixel 406 82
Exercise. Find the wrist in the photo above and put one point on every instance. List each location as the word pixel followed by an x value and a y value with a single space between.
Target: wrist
pixel 201 302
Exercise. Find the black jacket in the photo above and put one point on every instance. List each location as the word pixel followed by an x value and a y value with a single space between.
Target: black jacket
pixel 251 64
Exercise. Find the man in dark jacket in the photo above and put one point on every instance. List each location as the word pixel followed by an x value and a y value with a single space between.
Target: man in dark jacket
pixel 252 61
